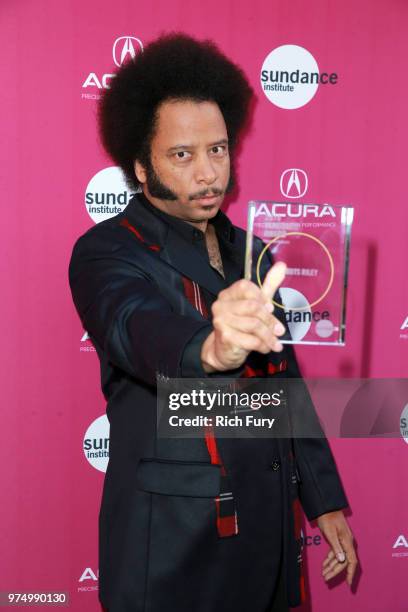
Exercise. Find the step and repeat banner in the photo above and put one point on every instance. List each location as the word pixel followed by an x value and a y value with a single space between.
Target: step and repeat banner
pixel 329 128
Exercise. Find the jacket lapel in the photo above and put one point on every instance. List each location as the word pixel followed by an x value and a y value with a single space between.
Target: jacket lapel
pixel 177 252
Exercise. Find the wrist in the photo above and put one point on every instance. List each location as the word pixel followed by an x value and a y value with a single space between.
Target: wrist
pixel 209 361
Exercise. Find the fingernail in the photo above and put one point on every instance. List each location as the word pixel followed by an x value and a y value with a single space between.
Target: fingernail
pixel 283 266
pixel 279 329
pixel 269 306
pixel 277 347
pixel 341 557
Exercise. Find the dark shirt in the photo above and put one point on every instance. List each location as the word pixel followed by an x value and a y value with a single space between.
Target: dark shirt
pixel 233 268
pixel 224 230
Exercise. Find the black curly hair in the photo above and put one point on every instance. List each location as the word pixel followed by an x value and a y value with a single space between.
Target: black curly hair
pixel 174 66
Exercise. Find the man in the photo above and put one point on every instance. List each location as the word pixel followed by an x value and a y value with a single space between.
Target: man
pixel 206 524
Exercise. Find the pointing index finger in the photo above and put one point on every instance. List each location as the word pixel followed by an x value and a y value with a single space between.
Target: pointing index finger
pixel 273 279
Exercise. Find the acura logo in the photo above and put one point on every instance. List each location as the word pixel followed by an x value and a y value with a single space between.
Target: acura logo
pixel 293 183
pixel 124 48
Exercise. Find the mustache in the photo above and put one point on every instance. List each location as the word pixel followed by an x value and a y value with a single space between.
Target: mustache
pixel 214 191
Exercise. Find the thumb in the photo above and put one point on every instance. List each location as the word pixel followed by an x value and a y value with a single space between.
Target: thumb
pixel 273 279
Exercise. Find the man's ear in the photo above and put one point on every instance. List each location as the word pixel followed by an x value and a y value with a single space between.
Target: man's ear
pixel 140 172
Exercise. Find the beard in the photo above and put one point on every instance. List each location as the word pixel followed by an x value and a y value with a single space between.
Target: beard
pixel 158 189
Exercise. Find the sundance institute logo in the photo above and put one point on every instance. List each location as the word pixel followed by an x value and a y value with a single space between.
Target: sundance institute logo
pixel 96 443
pixel 290 76
pixel 107 194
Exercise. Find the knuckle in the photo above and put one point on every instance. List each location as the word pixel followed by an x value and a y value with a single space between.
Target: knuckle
pixel 244 284
pixel 252 306
pixel 259 345
pixel 215 307
pixel 224 335
pixel 252 343
pixel 217 322
pixel 275 320
pixel 278 348
pixel 255 325
pixel 247 288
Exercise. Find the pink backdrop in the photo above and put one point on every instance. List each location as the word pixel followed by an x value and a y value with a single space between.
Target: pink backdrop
pixel 350 139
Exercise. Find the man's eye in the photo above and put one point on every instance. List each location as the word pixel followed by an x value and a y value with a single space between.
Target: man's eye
pixel 219 150
pixel 182 155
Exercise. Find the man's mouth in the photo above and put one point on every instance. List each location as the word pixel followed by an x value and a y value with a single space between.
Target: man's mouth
pixel 208 198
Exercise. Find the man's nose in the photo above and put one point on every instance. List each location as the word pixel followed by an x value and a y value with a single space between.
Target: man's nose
pixel 205 171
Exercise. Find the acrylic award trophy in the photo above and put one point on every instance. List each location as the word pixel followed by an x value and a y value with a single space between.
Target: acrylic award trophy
pixel 313 240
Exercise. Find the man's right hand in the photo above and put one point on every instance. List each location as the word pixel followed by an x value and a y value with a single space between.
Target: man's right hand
pixel 243 322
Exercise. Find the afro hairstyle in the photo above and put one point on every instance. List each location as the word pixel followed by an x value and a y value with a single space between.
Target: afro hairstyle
pixel 174 66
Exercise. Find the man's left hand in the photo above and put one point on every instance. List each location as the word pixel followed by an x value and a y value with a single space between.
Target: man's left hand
pixel 342 555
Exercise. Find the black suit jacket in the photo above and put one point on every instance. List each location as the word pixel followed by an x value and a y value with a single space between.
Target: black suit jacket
pixel 158 544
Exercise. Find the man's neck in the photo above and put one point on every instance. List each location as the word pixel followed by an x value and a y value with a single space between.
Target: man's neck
pixel 213 249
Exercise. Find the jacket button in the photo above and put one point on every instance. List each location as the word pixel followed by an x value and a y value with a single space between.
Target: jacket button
pixel 275 465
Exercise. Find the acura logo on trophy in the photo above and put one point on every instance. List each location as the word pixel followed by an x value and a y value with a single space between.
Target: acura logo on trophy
pixel 293 183
pixel 124 49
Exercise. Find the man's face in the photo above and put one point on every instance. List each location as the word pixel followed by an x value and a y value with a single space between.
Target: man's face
pixel 189 170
